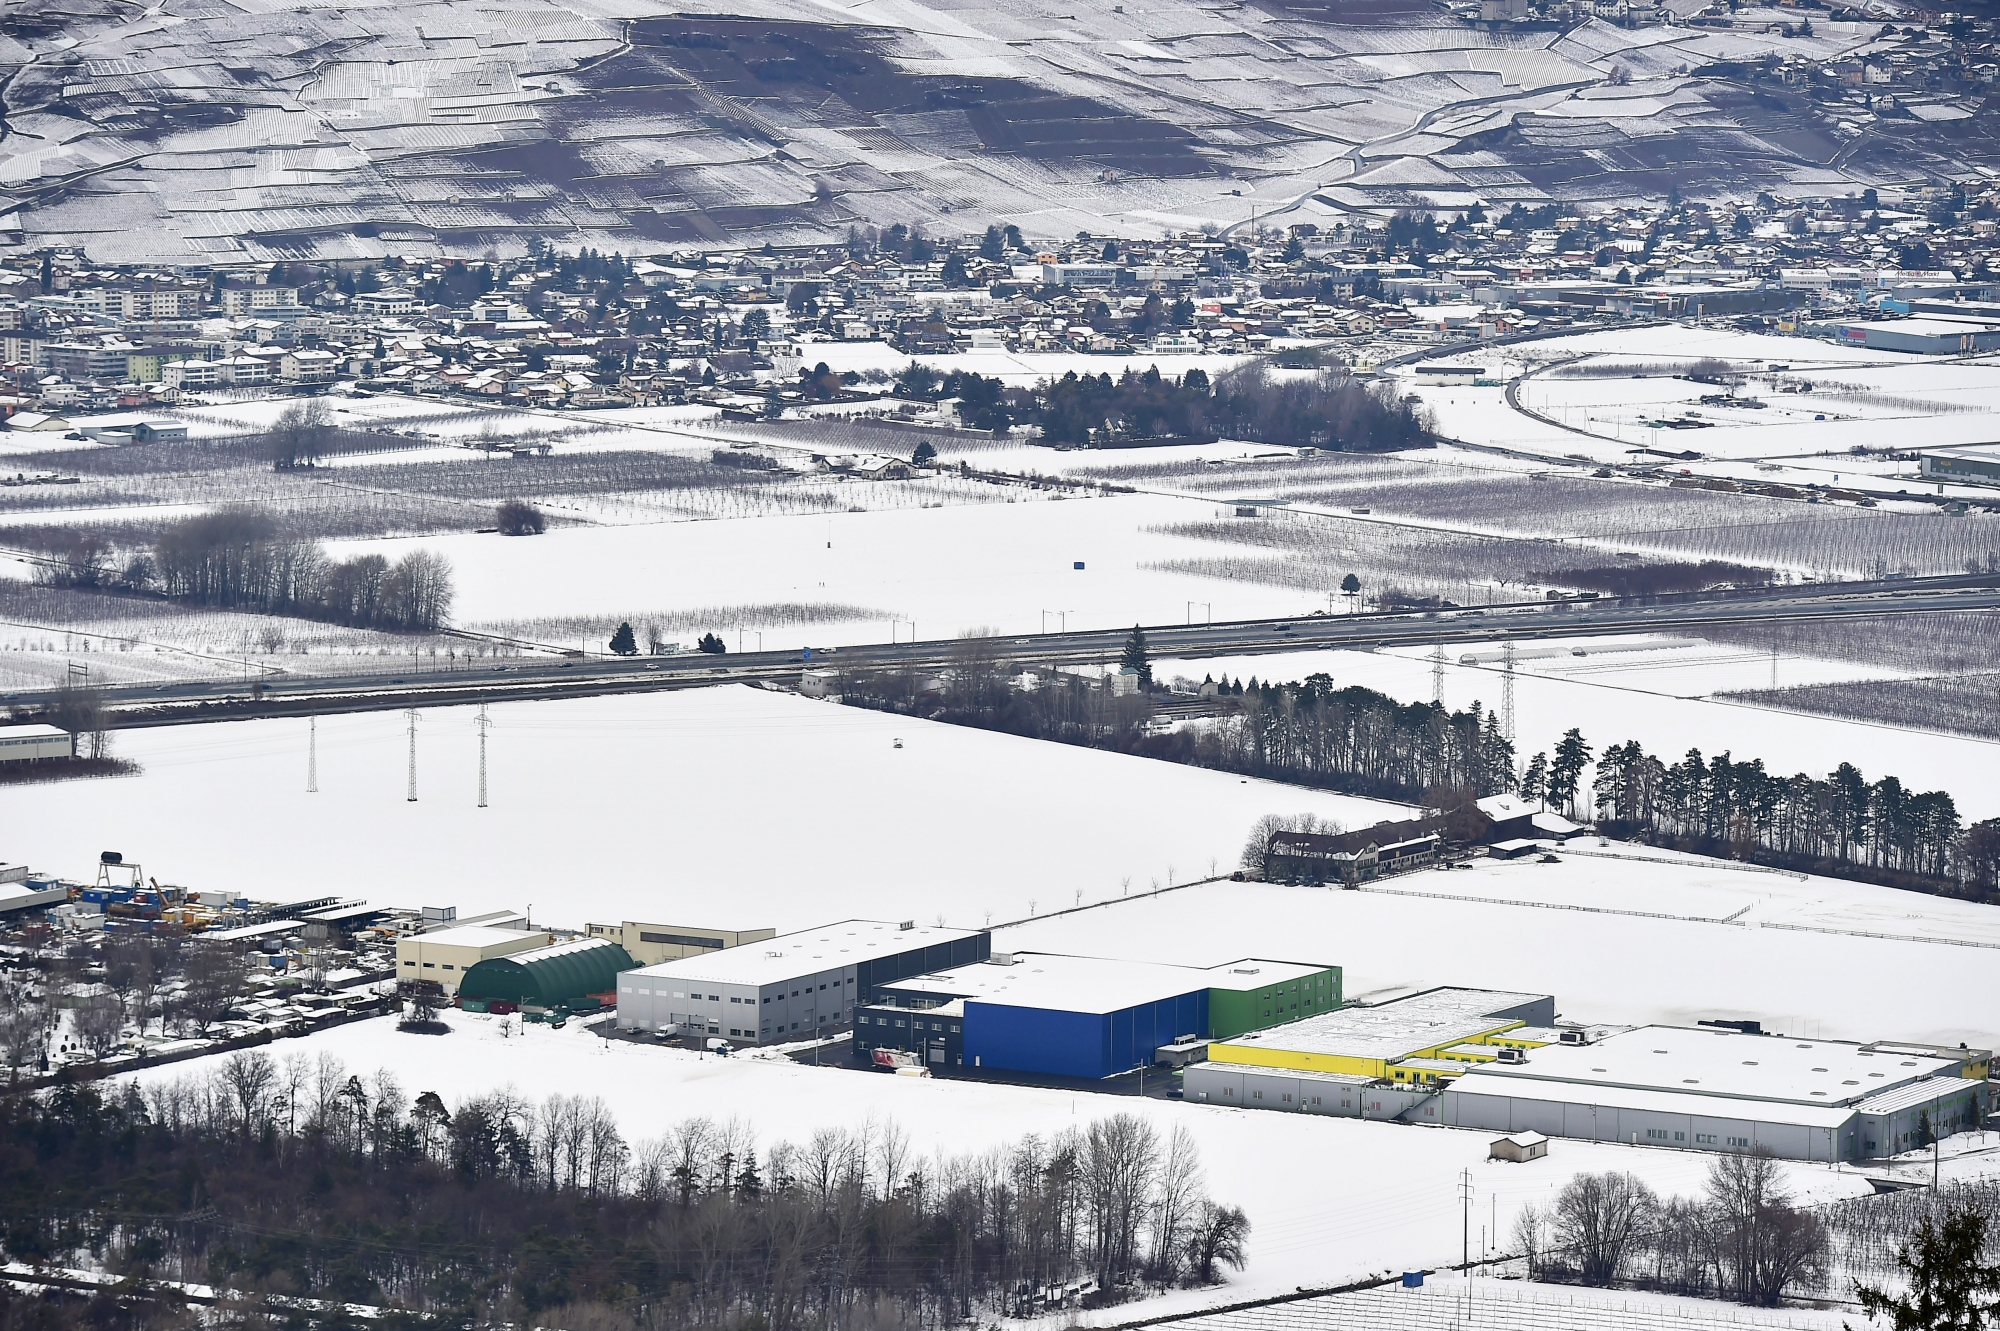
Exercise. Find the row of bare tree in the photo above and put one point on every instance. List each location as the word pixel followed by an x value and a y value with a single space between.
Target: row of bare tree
pixel 695 1228
pixel 1744 1238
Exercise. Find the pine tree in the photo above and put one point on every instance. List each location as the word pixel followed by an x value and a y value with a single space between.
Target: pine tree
pixel 1535 780
pixel 622 641
pixel 1135 657
pixel 1572 756
pixel 1949 1285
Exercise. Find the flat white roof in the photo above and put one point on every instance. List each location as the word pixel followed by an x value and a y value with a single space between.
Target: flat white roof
pixel 1489 1079
pixel 1258 973
pixel 1393 1030
pixel 1062 983
pixel 826 948
pixel 474 935
pixel 1707 1061
pixel 32 731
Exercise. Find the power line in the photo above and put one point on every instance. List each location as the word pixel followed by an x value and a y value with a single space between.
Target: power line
pixel 411 713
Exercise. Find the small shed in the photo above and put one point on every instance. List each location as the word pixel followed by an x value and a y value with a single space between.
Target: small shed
pixel 555 976
pixel 1519 1147
pixel 1513 850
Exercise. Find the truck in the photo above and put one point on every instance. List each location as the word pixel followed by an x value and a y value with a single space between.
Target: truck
pixel 892 1060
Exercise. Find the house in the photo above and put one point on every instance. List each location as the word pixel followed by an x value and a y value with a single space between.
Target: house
pixel 1518 1147
pixel 307 367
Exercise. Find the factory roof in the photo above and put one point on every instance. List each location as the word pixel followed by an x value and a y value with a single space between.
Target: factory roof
pixel 1728 1063
pixel 1062 983
pixel 829 947
pixel 1258 973
pixel 1429 1020
pixel 246 931
pixel 1492 1079
pixel 1913 1094
pixel 474 935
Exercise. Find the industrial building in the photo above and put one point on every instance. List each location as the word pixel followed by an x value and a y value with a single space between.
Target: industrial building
pixel 650 944
pixel 1932 336
pixel 560 975
pixel 32 743
pixel 1089 1017
pixel 793 986
pixel 1411 1044
pixel 1708 1089
pixel 1964 466
pixel 445 955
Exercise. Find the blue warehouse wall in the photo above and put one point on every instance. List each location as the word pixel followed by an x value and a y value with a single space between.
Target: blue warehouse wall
pixel 1026 1039
pixel 1078 1044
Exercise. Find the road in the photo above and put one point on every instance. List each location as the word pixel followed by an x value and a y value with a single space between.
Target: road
pixel 144 705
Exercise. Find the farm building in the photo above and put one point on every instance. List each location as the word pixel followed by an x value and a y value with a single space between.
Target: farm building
pixel 560 975
pixel 1082 1016
pixel 1705 1089
pixel 1351 857
pixel 445 955
pixel 793 986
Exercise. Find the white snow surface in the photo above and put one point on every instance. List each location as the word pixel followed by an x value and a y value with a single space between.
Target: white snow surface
pixel 730 807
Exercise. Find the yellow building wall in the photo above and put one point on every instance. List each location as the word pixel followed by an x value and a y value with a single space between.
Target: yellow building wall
pixel 1299 1060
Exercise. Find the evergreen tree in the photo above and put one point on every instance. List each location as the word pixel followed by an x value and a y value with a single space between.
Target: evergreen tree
pixel 993 245
pixel 711 644
pixel 1950 1284
pixel 622 641
pixel 1566 772
pixel 954 274
pixel 1535 780
pixel 924 454
pixel 1135 657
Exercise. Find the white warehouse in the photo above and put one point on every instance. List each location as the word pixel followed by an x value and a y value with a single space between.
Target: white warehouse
pixel 792 987
pixel 1721 1090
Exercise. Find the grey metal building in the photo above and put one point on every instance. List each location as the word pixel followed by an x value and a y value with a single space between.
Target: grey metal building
pixel 791 987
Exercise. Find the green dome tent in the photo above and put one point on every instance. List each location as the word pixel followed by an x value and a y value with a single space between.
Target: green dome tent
pixel 555 976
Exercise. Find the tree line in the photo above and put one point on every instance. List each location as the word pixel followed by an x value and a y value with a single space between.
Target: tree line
pixel 1842 824
pixel 304 1177
pixel 243 559
pixel 1326 408
pixel 1747 1239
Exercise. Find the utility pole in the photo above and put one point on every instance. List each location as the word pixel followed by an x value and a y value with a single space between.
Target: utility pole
pixel 1774 665
pixel 483 725
pixel 312 755
pixel 1437 673
pixel 1465 1209
pixel 1507 691
pixel 411 713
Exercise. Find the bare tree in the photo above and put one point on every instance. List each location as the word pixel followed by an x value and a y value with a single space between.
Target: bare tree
pixel 99 1023
pixel 1178 1202
pixel 1599 1220
pixel 1762 1243
pixel 1121 1160
pixel 217 977
pixel 249 1076
pixel 1218 1238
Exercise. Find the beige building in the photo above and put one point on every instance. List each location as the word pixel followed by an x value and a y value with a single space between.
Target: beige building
pixel 651 944
pixel 445 955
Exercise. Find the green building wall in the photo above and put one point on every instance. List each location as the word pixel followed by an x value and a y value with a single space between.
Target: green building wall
pixel 1233 1012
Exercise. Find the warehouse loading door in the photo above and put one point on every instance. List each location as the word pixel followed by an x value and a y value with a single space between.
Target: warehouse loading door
pixel 937 1051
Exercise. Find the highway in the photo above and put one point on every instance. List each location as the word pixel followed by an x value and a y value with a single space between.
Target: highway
pixel 519 678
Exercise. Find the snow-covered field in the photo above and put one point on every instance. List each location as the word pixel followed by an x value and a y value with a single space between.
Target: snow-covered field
pixel 729 807
pixel 1614 933
pixel 997 566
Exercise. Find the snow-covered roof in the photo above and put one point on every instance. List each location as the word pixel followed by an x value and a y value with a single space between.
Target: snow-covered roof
pixel 1490 1079
pixel 828 947
pixel 1710 1061
pixel 1061 983
pixel 1434 1019
pixel 473 935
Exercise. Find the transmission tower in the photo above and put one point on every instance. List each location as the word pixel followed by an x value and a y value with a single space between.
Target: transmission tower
pixel 1437 673
pixel 1507 692
pixel 483 725
pixel 312 755
pixel 411 713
